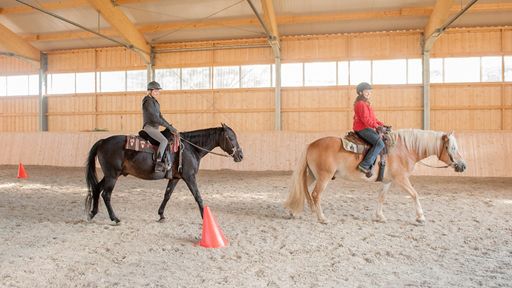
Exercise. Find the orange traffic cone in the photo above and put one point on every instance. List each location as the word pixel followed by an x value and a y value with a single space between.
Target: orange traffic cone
pixel 21 172
pixel 212 234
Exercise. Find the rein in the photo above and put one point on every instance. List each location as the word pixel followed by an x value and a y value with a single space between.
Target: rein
pixel 206 150
pixel 425 164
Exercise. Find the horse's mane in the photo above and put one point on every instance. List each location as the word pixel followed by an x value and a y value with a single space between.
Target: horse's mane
pixel 423 142
pixel 201 137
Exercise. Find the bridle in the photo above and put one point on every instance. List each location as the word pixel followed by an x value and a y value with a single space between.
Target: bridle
pixel 439 157
pixel 235 149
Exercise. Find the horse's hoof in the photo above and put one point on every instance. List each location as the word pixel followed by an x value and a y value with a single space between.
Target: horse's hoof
pixel 161 220
pixel 90 216
pixel 420 221
pixel 380 220
pixel 323 221
pixel 116 221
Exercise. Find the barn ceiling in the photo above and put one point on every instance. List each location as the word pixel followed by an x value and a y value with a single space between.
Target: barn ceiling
pixel 159 21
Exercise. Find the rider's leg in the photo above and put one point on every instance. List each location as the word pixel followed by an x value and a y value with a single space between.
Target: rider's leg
pixel 372 137
pixel 155 134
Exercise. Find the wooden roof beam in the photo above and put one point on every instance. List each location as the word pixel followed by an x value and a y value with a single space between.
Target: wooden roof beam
pixel 118 20
pixel 438 17
pixel 57 5
pixel 17 45
pixel 269 15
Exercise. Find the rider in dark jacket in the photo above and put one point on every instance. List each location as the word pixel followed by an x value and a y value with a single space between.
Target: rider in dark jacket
pixel 153 119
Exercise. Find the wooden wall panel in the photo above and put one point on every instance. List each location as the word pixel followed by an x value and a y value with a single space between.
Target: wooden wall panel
pixel 242 56
pixel 314 48
pixel 506 41
pixel 387 45
pixel 482 151
pixel 82 60
pixel 19 113
pixel 118 58
pixel 16 66
pixel 184 59
pixel 468 42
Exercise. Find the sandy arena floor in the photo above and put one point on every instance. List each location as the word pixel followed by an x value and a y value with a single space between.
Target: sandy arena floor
pixel 46 242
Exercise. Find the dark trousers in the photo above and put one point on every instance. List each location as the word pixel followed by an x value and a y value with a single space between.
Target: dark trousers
pixel 373 138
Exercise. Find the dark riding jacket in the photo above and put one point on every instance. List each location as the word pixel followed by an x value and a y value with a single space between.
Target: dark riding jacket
pixel 151 114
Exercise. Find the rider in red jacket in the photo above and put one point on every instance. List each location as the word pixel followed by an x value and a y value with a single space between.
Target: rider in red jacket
pixel 365 125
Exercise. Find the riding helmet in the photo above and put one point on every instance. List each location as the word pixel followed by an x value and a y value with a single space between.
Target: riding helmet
pixel 153 85
pixel 363 86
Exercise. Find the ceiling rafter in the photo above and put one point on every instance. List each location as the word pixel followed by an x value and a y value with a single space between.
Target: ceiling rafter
pixel 438 17
pixel 280 20
pixel 57 5
pixel 270 17
pixel 13 43
pixel 118 20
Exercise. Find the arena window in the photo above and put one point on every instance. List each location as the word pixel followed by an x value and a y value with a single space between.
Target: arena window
pixel 196 78
pixel 226 77
pixel 508 68
pixel 255 76
pixel 320 74
pixel 414 71
pixel 61 83
pixel 389 71
pixel 343 73
pixel 85 82
pixel 136 80
pixel 491 69
pixel 360 71
pixel 462 70
pixel 436 70
pixel 170 79
pixel 292 75
pixel 114 81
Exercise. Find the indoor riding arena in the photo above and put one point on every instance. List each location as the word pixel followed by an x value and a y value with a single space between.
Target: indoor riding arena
pixel 259 186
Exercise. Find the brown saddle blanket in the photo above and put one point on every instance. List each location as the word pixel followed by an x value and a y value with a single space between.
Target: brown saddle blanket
pixel 137 143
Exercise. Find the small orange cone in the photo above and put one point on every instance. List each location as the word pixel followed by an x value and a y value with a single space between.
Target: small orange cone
pixel 212 234
pixel 21 172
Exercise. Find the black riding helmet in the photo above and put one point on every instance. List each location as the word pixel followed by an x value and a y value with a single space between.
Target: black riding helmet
pixel 363 86
pixel 154 85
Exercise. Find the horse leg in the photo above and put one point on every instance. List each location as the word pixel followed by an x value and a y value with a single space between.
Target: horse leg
pixel 168 192
pixel 190 180
pixel 379 216
pixel 96 198
pixel 407 186
pixel 109 184
pixel 320 185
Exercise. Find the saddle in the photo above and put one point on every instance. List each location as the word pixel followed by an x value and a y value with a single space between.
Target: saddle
pixel 355 144
pixel 145 143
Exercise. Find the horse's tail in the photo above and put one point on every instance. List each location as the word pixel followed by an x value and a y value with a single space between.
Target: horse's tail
pixel 299 187
pixel 90 177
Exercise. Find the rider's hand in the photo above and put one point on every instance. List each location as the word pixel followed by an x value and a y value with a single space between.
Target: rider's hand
pixel 381 129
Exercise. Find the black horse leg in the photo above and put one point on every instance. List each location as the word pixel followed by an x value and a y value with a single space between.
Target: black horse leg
pixel 95 198
pixel 107 191
pixel 192 186
pixel 168 192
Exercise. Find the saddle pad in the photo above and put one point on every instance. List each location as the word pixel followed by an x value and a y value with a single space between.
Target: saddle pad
pixel 137 143
pixel 352 147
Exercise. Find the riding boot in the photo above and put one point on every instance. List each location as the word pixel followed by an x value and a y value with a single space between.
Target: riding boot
pixel 159 166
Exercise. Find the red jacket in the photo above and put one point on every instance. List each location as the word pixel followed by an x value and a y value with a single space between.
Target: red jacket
pixel 364 117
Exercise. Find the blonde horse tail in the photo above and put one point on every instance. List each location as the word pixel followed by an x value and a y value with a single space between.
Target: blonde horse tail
pixel 298 191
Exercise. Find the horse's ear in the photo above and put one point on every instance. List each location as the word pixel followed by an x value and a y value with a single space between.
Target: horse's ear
pixel 223 125
pixel 445 137
pixel 450 133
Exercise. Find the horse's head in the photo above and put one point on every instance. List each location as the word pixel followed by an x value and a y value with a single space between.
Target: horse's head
pixel 229 143
pixel 450 153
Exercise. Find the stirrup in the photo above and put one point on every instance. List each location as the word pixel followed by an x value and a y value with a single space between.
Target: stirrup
pixel 367 172
pixel 160 166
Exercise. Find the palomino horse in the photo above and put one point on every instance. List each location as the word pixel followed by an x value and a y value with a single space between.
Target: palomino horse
pixel 325 158
pixel 115 161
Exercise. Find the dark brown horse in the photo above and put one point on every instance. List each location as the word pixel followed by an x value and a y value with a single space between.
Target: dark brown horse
pixel 116 161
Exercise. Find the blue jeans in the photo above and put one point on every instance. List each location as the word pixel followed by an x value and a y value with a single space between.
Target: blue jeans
pixel 373 138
